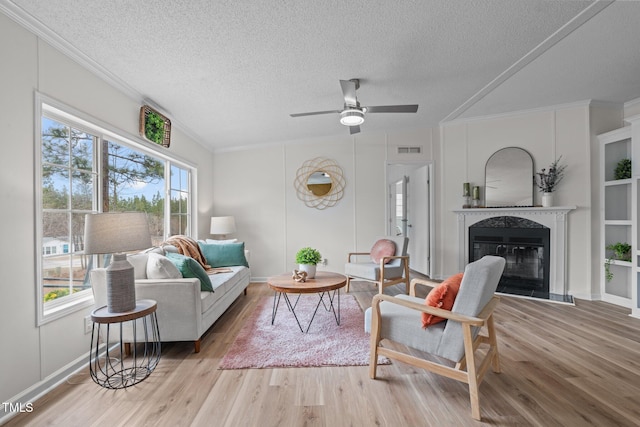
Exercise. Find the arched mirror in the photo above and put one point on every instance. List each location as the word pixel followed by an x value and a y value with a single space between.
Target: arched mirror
pixel 319 183
pixel 509 178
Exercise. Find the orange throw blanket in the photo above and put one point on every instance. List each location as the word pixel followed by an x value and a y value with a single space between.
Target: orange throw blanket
pixel 189 247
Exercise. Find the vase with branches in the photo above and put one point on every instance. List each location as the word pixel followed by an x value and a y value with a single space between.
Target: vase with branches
pixel 547 180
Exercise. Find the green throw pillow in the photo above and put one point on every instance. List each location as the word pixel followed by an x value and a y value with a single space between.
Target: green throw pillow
pixel 191 268
pixel 225 255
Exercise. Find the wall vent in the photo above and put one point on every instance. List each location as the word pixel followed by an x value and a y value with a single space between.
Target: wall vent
pixel 409 150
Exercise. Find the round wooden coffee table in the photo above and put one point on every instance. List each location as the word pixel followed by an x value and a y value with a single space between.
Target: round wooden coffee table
pixel 324 284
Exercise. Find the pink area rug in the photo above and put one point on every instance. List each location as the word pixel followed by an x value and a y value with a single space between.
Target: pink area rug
pixel 262 345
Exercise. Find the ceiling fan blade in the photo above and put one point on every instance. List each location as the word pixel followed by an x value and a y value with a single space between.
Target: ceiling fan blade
pixel 349 92
pixel 314 113
pixel 354 129
pixel 392 109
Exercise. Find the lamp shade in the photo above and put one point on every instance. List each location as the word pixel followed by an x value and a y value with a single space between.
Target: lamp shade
pixel 223 225
pixel 112 232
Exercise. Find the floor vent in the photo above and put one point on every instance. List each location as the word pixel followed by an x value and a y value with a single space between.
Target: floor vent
pixel 409 150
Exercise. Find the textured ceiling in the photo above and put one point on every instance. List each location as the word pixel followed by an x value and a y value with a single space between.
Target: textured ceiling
pixel 231 72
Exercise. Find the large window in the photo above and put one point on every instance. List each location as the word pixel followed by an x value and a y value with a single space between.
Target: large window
pixel 135 181
pixel 86 168
pixel 179 200
pixel 68 193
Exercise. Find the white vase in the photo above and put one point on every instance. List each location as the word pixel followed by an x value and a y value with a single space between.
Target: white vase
pixel 310 269
pixel 547 200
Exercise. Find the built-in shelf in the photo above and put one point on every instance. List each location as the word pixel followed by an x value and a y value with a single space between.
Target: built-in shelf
pixel 617 182
pixel 621 263
pixel 624 222
pixel 619 207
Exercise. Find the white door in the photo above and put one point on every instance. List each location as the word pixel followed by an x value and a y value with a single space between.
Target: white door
pixel 418 219
pixel 409 211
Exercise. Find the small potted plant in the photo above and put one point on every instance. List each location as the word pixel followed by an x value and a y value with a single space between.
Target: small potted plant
pixel 623 169
pixel 548 180
pixel 622 252
pixel 307 259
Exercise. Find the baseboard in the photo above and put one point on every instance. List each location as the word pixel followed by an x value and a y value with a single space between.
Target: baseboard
pixel 588 297
pixel 26 398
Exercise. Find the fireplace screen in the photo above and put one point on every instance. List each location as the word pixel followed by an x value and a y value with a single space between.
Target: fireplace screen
pixel 524 245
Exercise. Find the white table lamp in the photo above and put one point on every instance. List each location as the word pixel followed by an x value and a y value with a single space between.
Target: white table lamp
pixel 115 233
pixel 223 225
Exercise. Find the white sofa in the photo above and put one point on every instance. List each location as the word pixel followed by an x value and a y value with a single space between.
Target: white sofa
pixel 184 312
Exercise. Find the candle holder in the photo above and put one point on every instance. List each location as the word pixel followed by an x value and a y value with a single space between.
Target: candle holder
pixel 466 189
pixel 476 196
pixel 466 195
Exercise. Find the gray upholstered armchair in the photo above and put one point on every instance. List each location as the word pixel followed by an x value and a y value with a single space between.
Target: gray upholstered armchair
pixel 390 270
pixel 399 319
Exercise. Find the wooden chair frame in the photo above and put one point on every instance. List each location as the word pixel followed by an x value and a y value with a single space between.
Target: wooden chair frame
pixel 383 282
pixel 474 373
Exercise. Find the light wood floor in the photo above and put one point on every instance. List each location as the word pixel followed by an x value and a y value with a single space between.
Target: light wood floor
pixel 561 366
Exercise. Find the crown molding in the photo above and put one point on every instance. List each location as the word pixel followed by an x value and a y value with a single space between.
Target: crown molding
pixel 510 114
pixel 517 113
pixel 632 103
pixel 44 33
pixel 605 104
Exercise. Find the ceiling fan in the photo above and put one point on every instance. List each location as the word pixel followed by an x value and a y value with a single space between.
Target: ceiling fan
pixel 353 114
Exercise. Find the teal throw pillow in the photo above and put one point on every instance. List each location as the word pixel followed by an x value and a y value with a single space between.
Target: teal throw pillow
pixel 191 268
pixel 224 255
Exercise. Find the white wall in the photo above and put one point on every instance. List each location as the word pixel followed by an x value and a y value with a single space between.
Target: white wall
pixel 257 187
pixel 30 354
pixel 20 349
pixel 546 135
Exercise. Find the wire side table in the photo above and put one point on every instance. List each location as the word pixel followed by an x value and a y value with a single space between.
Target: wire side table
pixel 116 368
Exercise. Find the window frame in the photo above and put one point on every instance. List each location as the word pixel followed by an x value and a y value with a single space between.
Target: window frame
pixel 55 110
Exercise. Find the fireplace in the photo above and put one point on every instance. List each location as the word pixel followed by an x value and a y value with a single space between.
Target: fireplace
pixel 524 244
pixel 524 240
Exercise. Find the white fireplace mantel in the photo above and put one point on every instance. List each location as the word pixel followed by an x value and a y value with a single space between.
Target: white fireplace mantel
pixel 555 218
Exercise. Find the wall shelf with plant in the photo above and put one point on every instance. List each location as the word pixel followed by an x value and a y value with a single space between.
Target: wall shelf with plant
pixel 621 251
pixel 155 126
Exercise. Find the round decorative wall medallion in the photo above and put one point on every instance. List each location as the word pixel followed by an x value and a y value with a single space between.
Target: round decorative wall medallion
pixel 319 183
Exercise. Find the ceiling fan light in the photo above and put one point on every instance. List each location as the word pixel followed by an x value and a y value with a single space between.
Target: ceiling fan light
pixel 352 117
